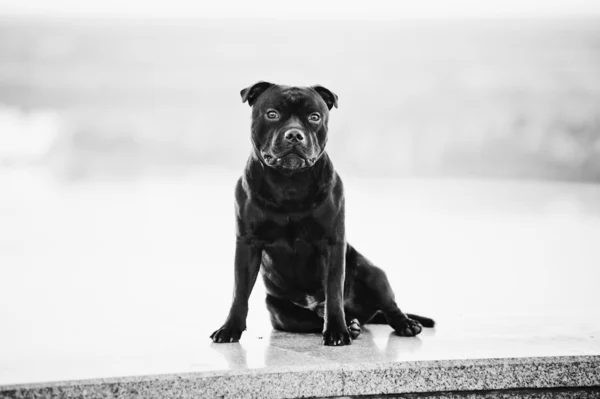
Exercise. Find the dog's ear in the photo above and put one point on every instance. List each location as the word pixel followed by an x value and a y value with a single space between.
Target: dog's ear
pixel 251 93
pixel 331 99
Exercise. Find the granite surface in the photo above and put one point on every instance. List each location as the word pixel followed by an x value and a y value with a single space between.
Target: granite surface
pixel 334 380
pixel 556 393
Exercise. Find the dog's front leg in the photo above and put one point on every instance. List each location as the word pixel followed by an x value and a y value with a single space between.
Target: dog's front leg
pixel 335 332
pixel 247 264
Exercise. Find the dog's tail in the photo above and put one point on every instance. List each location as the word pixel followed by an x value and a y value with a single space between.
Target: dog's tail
pixel 379 318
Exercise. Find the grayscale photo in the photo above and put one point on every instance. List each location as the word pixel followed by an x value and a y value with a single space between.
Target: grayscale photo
pixel 323 199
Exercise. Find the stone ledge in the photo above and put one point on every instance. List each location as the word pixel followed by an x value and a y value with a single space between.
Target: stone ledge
pixel 334 380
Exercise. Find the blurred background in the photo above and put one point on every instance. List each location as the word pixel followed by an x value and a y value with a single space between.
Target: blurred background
pixel 471 127
pixel 514 98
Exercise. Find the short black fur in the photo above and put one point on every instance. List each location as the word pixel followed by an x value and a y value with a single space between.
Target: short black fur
pixel 291 226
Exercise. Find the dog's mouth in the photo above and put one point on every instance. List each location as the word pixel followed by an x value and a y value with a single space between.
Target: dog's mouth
pixel 290 160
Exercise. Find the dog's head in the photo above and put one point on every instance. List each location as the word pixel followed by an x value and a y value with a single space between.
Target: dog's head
pixel 289 124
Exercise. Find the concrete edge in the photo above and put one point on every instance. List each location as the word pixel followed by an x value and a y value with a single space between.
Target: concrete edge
pixel 334 380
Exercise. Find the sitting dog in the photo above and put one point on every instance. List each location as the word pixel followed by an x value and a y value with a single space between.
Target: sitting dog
pixel 290 224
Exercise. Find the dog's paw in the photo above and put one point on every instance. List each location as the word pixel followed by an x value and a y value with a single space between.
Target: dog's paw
pixel 407 327
pixel 336 338
pixel 226 334
pixel 354 328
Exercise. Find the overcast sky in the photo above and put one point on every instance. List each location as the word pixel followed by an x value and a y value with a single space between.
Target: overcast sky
pixel 307 9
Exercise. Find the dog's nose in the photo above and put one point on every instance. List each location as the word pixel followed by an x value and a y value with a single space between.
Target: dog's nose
pixel 294 136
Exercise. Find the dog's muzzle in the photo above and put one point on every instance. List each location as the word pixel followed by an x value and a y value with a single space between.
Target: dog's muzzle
pixel 294 136
pixel 289 151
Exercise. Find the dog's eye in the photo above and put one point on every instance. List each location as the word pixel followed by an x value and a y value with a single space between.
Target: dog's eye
pixel 314 117
pixel 273 115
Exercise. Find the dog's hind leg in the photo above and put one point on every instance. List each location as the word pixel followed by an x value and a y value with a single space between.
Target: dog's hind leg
pixel 371 288
pixel 383 293
pixel 379 318
pixel 425 321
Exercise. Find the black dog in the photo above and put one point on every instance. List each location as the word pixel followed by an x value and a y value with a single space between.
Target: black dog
pixel 290 223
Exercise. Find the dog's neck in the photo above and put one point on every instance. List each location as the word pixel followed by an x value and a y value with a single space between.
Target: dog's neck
pixel 290 191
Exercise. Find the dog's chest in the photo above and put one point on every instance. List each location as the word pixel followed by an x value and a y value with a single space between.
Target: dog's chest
pixel 298 236
pixel 290 259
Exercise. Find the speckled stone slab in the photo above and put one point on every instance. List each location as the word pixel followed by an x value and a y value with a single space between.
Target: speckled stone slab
pixel 467 375
pixel 556 393
pixel 334 380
